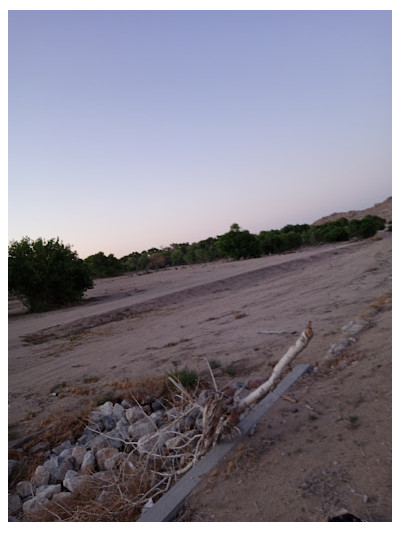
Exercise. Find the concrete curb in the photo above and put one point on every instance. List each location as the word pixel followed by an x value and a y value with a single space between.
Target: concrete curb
pixel 167 507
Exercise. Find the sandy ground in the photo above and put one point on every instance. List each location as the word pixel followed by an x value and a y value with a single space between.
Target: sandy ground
pixel 306 460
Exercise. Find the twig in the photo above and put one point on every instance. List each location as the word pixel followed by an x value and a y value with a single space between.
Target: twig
pixel 212 375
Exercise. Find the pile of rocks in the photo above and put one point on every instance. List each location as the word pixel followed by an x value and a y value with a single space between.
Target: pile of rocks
pixel 112 432
pixel 101 448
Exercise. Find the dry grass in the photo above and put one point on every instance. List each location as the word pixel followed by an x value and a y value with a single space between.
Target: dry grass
pixel 118 498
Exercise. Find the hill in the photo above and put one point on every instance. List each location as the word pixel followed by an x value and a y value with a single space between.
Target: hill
pixel 382 209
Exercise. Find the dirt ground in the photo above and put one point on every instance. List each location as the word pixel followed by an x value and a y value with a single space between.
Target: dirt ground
pixel 328 449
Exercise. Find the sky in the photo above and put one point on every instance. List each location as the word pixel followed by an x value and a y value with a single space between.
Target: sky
pixel 135 129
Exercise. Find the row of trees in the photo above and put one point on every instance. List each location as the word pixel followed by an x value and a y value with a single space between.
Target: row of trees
pixel 45 275
pixel 235 244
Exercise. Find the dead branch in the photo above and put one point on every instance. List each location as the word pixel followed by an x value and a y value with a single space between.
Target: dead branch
pixel 292 352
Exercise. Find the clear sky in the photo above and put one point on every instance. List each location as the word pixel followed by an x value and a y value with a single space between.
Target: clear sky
pixel 134 129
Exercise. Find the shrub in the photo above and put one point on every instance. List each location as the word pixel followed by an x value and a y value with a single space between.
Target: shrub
pixel 187 378
pixel 238 244
pixel 45 275
pixel 102 266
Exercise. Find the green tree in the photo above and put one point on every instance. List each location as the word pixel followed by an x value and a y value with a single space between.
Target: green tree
pixel 239 243
pixel 46 274
pixel 103 266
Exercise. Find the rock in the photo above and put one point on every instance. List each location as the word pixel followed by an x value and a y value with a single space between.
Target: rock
pixel 118 412
pixel 88 462
pixel 354 328
pixel 41 476
pixel 157 405
pixel 14 504
pixel 96 420
pixel 78 453
pixel 75 482
pixel 158 418
pixel 140 428
pixel 172 413
pixel 99 441
pixel 33 504
pixel 109 422
pixel 62 497
pixel 104 454
pixel 114 438
pixel 126 404
pixel 116 460
pixel 106 409
pixel 122 424
pixel 86 438
pixel 152 442
pixel 47 492
pixel 177 440
pixel 25 489
pixel 63 446
pixel 12 465
pixel 134 414
pixel 63 465
pixel 67 453
pixel 190 421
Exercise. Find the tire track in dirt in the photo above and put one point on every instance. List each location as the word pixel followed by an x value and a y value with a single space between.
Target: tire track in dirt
pixel 263 274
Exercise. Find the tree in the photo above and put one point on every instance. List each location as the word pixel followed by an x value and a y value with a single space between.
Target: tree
pixel 238 244
pixel 102 266
pixel 45 275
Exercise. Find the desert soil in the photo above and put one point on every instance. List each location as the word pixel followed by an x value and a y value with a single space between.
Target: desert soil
pixel 328 449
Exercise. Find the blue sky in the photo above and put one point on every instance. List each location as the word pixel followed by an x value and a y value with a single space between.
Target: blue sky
pixel 134 129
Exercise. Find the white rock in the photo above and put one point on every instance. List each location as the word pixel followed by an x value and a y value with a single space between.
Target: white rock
pixel 133 414
pixel 14 503
pixel 25 489
pixel 106 409
pixel 78 453
pixel 118 411
pixel 74 482
pixel 88 462
pixel 47 492
pixel 103 454
pixel 41 476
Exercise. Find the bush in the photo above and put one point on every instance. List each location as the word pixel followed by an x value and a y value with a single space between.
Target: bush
pixel 45 275
pixel 238 244
pixel 102 266
pixel 187 377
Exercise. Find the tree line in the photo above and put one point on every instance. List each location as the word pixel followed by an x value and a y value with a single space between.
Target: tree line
pixel 235 244
pixel 48 274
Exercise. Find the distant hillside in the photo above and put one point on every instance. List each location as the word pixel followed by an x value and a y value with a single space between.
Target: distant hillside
pixel 383 210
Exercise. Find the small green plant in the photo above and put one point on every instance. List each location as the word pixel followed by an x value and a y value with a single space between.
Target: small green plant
pixel 214 364
pixel 187 377
pixel 312 417
pixel 230 370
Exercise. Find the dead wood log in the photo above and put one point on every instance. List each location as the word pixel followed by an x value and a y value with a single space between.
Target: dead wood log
pixel 266 387
pixel 220 417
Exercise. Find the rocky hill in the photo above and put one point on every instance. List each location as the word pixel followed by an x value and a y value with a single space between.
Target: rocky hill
pixel 382 209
